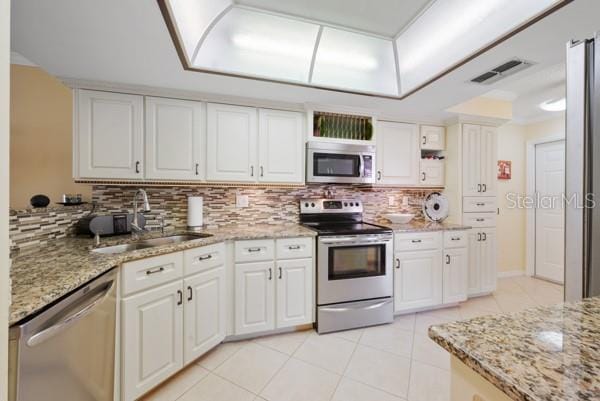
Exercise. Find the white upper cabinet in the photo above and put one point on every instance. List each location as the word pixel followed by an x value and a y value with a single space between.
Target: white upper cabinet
pixel 280 146
pixel 108 135
pixel 231 143
pixel 174 139
pixel 432 137
pixel 398 153
pixel 432 173
pixel 479 160
pixel 489 165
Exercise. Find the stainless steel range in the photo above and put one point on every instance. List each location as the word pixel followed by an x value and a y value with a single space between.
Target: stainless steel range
pixel 354 265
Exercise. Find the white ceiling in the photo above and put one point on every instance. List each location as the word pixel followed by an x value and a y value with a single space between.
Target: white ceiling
pixel 382 17
pixel 127 42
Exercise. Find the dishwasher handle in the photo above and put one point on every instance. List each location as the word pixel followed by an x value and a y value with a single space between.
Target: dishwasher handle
pixel 93 299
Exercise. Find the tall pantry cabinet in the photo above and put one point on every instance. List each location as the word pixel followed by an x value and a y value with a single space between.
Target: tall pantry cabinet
pixel 471 164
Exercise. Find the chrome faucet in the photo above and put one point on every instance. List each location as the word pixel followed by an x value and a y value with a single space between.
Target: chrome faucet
pixel 135 224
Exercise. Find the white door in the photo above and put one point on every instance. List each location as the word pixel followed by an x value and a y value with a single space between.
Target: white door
pixel 294 292
pixel 549 215
pixel 254 297
pixel 417 279
pixel 489 160
pixel 432 137
pixel 280 146
pixel 456 264
pixel 489 244
pixel 174 149
pixel 151 335
pixel 398 153
pixel 474 262
pixel 471 160
pixel 432 173
pixel 205 307
pixel 231 143
pixel 109 134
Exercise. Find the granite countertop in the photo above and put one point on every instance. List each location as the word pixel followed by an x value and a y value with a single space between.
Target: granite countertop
pixel 548 353
pixel 42 274
pixel 418 225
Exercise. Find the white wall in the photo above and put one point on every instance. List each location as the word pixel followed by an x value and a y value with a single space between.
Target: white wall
pixel 4 158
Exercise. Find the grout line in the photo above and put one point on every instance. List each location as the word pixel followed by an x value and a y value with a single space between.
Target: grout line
pixel 343 374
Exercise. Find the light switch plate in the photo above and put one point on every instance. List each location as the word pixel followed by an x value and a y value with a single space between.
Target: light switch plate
pixel 241 201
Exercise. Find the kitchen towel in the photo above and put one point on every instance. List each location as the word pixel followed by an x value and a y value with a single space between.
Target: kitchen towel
pixel 194 215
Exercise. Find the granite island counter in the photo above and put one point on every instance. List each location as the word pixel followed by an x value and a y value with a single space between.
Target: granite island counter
pixel 541 354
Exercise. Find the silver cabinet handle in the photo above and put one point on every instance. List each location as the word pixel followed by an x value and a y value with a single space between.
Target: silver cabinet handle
pixel 416 241
pixel 137 167
pixel 424 139
pixel 480 204
pixel 180 295
pixel 478 187
pixel 447 259
pixel 252 250
pixel 484 236
pixel 293 247
pixel 479 219
pixel 455 239
pixel 190 293
pixel 202 258
pixel 197 167
pixel 251 171
pixel 154 271
pixel 397 263
pixel 378 175
pixel 262 171
pixel 280 273
pixel 270 274
pixel 484 187
pixel 478 236
pixel 424 176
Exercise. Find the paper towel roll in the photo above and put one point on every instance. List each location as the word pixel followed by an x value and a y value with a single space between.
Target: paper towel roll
pixel 194 216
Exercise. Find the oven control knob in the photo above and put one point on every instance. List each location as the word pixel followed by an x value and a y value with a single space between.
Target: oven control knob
pixel 357 204
pixel 345 203
pixel 306 204
pixel 312 204
pixel 351 204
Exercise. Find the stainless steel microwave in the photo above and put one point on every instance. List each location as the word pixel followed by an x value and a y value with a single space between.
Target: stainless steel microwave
pixel 340 163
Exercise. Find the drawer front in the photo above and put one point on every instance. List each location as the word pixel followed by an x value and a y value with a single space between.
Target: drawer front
pixel 474 204
pixel 294 248
pixel 455 239
pixel 201 259
pixel 254 250
pixel 479 219
pixel 417 241
pixel 151 272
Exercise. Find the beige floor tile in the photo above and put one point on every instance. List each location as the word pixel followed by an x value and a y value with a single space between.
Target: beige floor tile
pixel 351 390
pixel 178 384
pixel 380 369
pixel 510 303
pixel 405 322
pixel 214 388
pixel 508 286
pixel 252 366
pixel 390 338
pixel 427 351
pixel 428 383
pixel 287 343
pixel 350 335
pixel 326 351
pixel 220 354
pixel 300 381
pixel 487 302
pixel 450 313
pixel 425 319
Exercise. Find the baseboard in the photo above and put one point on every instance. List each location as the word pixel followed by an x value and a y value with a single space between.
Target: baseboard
pixel 511 273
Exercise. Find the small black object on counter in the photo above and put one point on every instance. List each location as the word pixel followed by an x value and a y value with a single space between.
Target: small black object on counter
pixel 39 201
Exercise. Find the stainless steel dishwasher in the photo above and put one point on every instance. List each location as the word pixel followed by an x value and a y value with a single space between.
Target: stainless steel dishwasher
pixel 67 352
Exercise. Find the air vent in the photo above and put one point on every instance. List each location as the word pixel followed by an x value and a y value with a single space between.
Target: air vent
pixel 504 70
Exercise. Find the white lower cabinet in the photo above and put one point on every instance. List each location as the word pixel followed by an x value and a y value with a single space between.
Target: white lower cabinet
pixel 254 297
pixel 152 338
pixel 205 306
pixel 482 261
pixel 455 275
pixel 418 280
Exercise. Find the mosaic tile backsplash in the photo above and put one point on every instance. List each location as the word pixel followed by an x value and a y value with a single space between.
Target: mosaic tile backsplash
pixel 267 205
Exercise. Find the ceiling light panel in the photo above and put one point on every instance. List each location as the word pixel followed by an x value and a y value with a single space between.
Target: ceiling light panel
pixel 354 61
pixel 259 44
pixel 193 18
pixel 451 30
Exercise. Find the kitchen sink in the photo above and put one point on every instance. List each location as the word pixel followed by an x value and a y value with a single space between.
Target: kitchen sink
pixel 149 243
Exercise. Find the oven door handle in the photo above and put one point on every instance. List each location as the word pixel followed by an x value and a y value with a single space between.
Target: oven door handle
pixel 354 240
pixel 349 308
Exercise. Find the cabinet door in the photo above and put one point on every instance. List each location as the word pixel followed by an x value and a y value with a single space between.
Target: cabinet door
pixel 109 134
pixel 231 143
pixel 471 160
pixel 432 173
pixel 488 260
pixel 418 280
pixel 205 307
pixel 294 292
pixel 254 297
pixel 489 168
pixel 398 153
pixel 280 146
pixel 432 137
pixel 474 262
pixel 174 139
pixel 456 264
pixel 152 335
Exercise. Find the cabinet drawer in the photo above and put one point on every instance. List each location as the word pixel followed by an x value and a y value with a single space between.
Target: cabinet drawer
pixel 479 219
pixel 479 204
pixel 150 272
pixel 418 241
pixel 201 259
pixel 254 250
pixel 294 248
pixel 455 239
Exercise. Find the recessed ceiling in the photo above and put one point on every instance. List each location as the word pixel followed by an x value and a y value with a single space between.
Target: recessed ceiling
pixel 382 17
